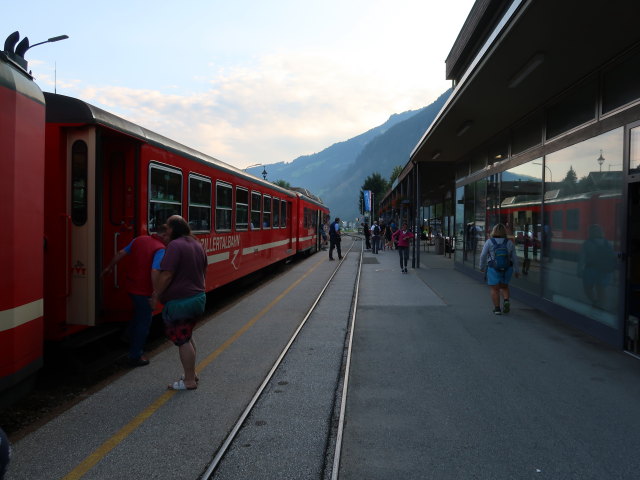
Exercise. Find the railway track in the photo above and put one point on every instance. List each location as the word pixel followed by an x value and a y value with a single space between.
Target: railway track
pixel 247 445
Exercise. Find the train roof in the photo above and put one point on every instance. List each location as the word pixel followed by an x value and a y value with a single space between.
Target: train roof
pixel 14 77
pixel 64 109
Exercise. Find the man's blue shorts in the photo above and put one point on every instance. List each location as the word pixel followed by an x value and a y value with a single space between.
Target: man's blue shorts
pixel 180 316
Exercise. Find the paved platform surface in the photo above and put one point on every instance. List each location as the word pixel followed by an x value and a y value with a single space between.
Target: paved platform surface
pixel 441 388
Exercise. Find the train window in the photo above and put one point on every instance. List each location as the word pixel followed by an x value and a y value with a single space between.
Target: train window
pixel 283 214
pixel 276 212
pixel 256 201
pixel 165 194
pixel 79 173
pixel 266 213
pixel 242 208
pixel 224 207
pixel 573 219
pixel 557 221
pixel 199 204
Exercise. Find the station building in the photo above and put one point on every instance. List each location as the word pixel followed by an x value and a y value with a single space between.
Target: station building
pixel 542 133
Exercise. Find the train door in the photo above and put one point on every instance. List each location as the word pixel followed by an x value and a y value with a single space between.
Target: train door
pixel 632 327
pixel 80 234
pixel 287 217
pixel 118 222
pixel 318 223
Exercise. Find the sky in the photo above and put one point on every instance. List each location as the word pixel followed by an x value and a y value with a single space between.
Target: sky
pixel 245 81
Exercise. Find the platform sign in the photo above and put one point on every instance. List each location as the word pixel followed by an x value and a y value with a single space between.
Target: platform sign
pixel 367 200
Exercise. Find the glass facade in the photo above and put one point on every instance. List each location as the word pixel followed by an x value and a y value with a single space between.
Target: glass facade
pixel 582 227
pixel 564 214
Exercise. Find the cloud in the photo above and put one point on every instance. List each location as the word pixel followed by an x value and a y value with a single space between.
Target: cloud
pixel 276 109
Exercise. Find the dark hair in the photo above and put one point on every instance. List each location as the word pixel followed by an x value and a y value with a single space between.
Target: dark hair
pixel 179 227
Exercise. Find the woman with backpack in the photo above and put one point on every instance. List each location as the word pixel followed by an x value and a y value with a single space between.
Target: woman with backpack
pixel 499 260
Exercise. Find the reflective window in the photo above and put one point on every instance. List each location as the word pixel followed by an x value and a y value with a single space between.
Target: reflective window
pixel 520 212
pixel 276 212
pixel 79 180
pixel 242 208
pixel 620 85
pixel 165 194
pixel 634 153
pixel 224 207
pixel 576 108
pixel 266 212
pixel 256 203
pixel 582 225
pixel 460 225
pixel 199 204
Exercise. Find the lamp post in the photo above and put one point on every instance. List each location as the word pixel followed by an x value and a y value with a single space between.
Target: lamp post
pixel 600 160
pixel 264 173
pixel 50 40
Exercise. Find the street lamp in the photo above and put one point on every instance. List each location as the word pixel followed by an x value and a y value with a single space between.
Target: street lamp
pixel 600 161
pixel 16 53
pixel 548 169
pixel 264 173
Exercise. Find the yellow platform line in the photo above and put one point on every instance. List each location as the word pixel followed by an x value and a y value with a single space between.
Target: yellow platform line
pixel 102 451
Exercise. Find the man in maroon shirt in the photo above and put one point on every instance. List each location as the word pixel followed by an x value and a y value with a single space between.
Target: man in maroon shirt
pixel 144 255
pixel 180 287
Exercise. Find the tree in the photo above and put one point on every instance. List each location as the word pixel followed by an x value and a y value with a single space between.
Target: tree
pixel 397 170
pixel 282 183
pixel 378 186
pixel 570 182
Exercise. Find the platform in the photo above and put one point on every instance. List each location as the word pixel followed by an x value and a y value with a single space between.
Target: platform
pixel 439 388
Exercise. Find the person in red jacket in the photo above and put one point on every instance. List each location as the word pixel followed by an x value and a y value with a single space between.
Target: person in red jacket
pixel 145 254
pixel 402 237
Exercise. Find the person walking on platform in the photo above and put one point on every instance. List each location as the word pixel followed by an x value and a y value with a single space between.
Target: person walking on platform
pixel 180 287
pixel 145 254
pixel 402 237
pixel 335 238
pixel 375 237
pixel 499 260
pixel 367 235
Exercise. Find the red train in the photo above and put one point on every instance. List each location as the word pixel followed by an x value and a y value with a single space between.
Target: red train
pixel 87 182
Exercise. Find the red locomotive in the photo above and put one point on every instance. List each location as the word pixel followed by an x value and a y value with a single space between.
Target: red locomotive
pixel 105 181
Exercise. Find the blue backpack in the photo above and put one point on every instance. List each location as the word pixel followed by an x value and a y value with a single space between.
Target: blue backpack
pixel 500 256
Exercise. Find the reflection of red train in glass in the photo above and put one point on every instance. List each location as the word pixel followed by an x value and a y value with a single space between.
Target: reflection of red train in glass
pixel 564 226
pixel 105 181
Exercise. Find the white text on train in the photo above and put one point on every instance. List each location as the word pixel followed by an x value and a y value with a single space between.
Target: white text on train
pixel 213 244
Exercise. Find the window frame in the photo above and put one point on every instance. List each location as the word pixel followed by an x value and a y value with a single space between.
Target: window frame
pixel 223 184
pixel 242 227
pixel 205 179
pixel 150 200
pixel 256 225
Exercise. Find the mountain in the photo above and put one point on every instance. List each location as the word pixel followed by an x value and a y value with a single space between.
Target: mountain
pixel 336 173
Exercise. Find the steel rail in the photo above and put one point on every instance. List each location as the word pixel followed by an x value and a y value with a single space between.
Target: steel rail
pixel 238 425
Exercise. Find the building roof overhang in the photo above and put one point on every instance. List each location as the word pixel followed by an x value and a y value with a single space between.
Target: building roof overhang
pixel 539 50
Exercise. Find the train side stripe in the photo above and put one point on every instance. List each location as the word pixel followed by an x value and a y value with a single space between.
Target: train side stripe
pixel 266 246
pixel 14 317
pixel 219 257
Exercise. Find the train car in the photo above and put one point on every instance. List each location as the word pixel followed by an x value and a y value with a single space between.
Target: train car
pixel 566 220
pixel 311 216
pixel 109 180
pixel 21 208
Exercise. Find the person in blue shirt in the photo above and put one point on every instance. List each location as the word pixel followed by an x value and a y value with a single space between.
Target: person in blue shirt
pixel 334 239
pixel 145 254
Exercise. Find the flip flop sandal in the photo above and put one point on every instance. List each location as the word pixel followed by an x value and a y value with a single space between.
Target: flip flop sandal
pixel 179 385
